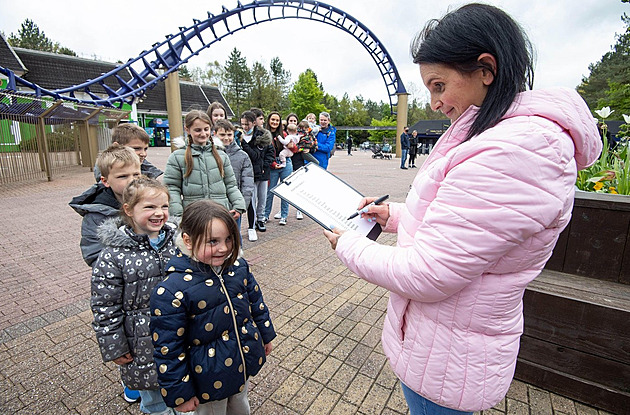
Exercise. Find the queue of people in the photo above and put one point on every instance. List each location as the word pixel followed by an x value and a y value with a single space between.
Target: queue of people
pixel 177 307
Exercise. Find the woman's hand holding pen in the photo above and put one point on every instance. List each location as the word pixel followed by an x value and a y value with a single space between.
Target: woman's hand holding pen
pixel 379 213
pixel 374 212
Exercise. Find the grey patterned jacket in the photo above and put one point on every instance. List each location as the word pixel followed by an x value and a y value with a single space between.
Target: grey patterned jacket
pixel 123 277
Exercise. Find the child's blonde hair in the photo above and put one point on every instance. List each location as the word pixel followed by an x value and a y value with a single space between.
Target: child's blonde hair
pixel 126 132
pixel 135 191
pixel 292 128
pixel 116 153
pixel 196 221
pixel 191 117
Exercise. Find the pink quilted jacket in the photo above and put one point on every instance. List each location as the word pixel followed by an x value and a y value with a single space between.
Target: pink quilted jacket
pixel 479 224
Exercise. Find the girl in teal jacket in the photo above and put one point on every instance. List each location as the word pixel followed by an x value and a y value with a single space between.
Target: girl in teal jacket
pixel 200 171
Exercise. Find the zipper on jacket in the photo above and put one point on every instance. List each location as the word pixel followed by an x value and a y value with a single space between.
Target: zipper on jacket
pixel 238 338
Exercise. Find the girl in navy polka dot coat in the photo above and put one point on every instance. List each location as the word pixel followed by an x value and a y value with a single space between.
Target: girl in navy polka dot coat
pixel 211 326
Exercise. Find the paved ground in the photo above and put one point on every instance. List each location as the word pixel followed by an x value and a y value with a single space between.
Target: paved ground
pixel 327 357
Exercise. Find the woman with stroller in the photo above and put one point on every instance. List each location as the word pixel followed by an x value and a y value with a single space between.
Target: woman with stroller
pixel 481 218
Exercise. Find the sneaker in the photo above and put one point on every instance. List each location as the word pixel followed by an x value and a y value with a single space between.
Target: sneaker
pixel 404 168
pixel 131 396
pixel 283 221
pixel 299 215
pixel 277 215
pixel 251 233
pixel 260 225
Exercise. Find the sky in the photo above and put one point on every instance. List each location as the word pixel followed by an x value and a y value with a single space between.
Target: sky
pixel 567 35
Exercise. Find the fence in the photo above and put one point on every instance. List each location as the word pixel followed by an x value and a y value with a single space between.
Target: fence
pixel 40 137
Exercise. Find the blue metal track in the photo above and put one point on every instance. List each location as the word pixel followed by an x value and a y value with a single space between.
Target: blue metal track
pixel 154 65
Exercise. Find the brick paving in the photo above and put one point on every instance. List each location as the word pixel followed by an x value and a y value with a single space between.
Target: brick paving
pixel 327 358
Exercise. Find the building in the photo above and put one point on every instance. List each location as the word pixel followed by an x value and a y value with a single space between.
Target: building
pixel 55 71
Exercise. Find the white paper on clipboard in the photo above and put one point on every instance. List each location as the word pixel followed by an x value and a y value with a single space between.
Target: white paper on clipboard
pixel 326 199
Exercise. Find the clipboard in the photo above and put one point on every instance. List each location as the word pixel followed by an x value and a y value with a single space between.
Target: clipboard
pixel 326 199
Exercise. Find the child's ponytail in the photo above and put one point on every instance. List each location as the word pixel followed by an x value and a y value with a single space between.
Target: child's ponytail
pixel 188 160
pixel 217 157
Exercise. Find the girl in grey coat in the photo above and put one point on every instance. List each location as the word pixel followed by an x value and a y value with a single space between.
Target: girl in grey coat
pixel 132 263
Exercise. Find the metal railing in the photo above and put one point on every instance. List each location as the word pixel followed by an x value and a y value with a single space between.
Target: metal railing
pixel 40 137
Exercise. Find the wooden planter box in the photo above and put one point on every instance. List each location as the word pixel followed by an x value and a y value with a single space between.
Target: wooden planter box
pixel 576 339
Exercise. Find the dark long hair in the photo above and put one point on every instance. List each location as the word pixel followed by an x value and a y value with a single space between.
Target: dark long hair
pixel 461 36
pixel 196 221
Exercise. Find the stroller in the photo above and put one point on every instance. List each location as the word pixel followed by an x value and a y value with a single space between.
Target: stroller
pixel 379 152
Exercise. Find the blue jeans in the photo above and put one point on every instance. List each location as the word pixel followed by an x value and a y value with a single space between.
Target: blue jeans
pixel 151 402
pixel 274 177
pixel 403 157
pixel 422 406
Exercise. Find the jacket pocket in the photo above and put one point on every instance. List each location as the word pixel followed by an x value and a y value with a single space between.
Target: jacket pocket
pixel 399 309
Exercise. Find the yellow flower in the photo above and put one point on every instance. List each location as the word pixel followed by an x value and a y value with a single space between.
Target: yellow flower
pixel 598 186
pixel 613 191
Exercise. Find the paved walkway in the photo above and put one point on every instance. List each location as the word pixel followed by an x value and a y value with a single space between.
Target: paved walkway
pixel 327 358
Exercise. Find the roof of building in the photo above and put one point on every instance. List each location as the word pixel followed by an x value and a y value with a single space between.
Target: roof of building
pixel 430 127
pixel 193 96
pixel 54 71
pixel 9 59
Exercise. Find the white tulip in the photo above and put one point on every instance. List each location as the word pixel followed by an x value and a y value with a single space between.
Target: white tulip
pixel 626 118
pixel 604 112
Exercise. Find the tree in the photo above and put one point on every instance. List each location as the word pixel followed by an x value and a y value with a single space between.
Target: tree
pixel 30 37
pixel 184 73
pixel 238 81
pixel 379 136
pixel 280 80
pixel 342 114
pixel 610 76
pixel 358 115
pixel 306 96
pixel 261 92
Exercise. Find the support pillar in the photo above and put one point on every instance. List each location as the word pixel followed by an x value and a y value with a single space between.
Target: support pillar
pixel 401 119
pixel 174 107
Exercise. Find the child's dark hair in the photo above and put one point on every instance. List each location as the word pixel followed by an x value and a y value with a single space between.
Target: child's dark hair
pixel 303 125
pixel 222 124
pixel 191 117
pixel 196 221
pixel 249 116
pixel 135 191
pixel 257 112
pixel 461 36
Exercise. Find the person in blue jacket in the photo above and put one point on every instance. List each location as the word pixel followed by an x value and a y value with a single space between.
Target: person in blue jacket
pixel 325 140
pixel 211 327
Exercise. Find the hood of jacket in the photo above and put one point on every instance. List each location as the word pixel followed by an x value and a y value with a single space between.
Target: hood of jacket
pixel 112 232
pixel 563 106
pixel 262 135
pixel 98 198
pixel 232 149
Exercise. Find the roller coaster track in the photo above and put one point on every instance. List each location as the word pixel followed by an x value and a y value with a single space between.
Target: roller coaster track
pixel 154 65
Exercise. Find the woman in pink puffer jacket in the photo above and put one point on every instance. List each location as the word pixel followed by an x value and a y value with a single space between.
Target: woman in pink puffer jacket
pixel 482 217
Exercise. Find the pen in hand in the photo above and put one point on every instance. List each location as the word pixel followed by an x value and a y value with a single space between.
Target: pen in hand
pixel 365 208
